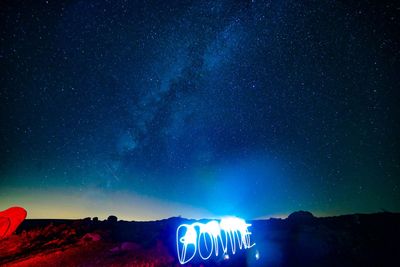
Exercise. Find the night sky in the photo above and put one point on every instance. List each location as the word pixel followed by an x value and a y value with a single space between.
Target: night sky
pixel 153 109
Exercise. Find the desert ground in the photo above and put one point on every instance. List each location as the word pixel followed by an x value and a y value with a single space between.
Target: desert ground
pixel 299 240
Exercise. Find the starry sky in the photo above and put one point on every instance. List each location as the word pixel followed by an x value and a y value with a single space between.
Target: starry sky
pixel 153 109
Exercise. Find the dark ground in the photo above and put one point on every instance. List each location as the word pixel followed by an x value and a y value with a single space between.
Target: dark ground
pixel 299 240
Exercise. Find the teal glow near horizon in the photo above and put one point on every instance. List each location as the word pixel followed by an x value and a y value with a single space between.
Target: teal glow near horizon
pixel 200 109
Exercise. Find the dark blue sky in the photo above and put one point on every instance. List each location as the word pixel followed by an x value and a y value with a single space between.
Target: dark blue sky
pixel 149 109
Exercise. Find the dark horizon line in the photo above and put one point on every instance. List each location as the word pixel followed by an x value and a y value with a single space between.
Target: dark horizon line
pixel 202 219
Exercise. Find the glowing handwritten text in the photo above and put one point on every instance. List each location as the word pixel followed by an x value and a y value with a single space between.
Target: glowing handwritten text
pixel 205 239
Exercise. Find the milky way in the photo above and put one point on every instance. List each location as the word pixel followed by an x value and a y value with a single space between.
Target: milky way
pixel 199 108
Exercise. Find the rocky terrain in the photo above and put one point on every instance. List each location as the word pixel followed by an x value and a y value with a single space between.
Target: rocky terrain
pixel 299 240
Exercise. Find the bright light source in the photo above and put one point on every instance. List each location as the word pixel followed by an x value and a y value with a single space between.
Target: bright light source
pixel 210 235
pixel 257 255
